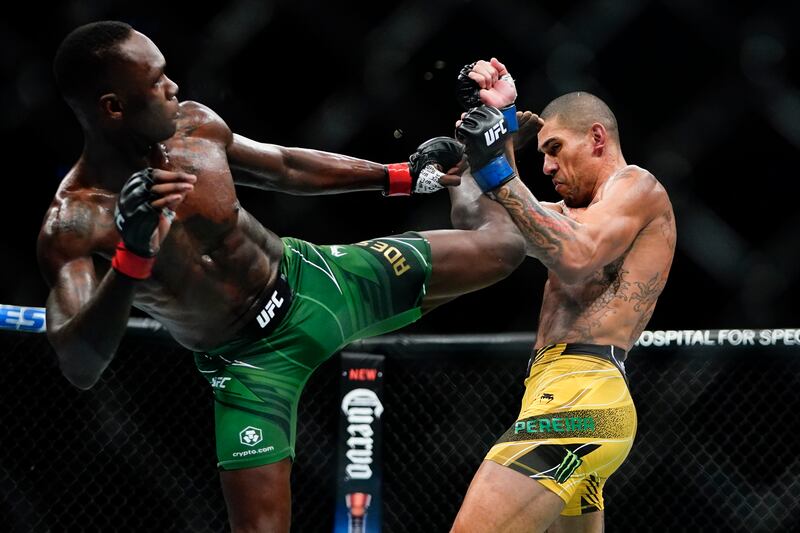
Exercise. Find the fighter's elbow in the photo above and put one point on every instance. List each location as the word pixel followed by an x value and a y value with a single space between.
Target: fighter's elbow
pixel 570 276
pixel 81 367
pixel 79 376
pixel 573 270
pixel 81 381
pixel 578 262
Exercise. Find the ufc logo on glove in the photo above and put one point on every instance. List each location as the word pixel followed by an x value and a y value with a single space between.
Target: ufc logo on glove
pixel 494 133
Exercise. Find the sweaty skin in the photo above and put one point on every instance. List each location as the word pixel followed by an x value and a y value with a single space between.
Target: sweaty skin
pixel 608 247
pixel 587 299
pixel 216 261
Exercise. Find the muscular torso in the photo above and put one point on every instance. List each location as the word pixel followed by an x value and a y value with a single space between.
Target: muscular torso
pixel 217 260
pixel 614 304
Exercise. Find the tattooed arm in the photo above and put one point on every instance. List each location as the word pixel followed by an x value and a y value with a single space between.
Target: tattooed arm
pixel 575 249
pixel 86 316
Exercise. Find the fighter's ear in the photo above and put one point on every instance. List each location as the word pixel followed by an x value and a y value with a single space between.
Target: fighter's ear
pixel 599 137
pixel 111 106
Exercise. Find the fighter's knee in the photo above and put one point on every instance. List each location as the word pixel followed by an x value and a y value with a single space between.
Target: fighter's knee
pixel 459 526
pixel 473 520
pixel 261 524
pixel 509 250
pixel 465 215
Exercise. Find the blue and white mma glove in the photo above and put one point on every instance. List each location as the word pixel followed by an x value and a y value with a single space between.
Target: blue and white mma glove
pixel 483 132
pixel 468 96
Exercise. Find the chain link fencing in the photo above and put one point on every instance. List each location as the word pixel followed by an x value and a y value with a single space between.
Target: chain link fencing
pixel 716 448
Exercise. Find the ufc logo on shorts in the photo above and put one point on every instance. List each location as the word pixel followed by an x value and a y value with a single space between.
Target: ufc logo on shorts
pixel 269 310
pixel 219 383
pixel 493 134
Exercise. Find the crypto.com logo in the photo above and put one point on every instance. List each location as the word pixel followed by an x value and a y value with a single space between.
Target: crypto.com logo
pixel 250 436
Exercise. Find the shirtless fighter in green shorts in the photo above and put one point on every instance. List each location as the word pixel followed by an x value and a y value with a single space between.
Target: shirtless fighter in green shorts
pixel 148 217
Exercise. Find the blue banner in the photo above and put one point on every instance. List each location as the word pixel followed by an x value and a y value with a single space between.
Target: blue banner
pixel 17 318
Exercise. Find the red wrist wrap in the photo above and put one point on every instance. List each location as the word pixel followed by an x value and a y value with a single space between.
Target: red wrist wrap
pixel 399 179
pixel 130 264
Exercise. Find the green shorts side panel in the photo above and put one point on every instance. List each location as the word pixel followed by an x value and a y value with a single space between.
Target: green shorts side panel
pixel 341 293
pixel 255 407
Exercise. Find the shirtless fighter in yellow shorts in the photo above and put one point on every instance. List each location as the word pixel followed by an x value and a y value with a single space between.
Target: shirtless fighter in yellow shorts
pixel 608 246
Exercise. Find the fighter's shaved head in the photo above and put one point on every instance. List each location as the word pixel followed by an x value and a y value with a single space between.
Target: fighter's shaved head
pixel 83 58
pixel 579 110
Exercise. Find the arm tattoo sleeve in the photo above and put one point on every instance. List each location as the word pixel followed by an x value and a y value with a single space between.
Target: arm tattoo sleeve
pixel 543 229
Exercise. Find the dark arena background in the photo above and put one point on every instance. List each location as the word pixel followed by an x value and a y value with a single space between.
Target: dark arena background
pixel 707 95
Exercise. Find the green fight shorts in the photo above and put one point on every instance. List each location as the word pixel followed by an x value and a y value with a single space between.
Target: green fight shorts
pixel 339 294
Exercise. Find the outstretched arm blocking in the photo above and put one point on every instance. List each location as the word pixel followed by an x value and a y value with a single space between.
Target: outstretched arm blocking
pixel 301 171
pixel 308 172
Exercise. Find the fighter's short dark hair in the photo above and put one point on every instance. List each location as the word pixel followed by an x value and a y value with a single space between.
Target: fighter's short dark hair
pixel 579 110
pixel 82 59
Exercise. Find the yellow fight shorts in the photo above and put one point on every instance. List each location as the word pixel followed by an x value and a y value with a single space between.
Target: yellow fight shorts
pixel 576 425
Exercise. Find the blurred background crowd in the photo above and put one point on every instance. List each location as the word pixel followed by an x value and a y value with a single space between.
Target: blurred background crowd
pixel 707 95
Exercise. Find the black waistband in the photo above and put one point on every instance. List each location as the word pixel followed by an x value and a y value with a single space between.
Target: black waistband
pixel 613 354
pixel 273 307
pixel 606 351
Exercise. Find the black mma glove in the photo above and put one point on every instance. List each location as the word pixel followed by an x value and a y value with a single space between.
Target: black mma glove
pixel 420 174
pixel 136 221
pixel 467 89
pixel 469 96
pixel 483 132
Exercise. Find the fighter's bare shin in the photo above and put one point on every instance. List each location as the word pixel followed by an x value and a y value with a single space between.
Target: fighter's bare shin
pixel 472 210
pixel 465 261
pixel 491 156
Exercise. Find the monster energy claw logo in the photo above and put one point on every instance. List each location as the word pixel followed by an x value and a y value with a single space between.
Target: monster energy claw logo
pixel 570 463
